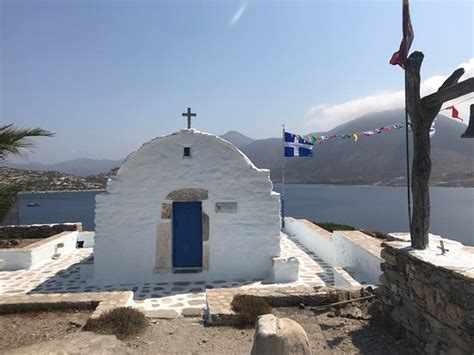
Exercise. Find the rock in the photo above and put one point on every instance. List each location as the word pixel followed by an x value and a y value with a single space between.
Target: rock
pixel 279 336
pixel 161 313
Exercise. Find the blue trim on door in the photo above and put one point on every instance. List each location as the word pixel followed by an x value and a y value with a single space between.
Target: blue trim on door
pixel 187 234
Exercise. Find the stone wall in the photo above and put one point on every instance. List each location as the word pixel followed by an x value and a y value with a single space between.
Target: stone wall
pixel 430 296
pixel 39 231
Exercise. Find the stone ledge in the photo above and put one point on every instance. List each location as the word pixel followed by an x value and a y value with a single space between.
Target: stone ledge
pixel 100 301
pixel 459 260
pixel 219 309
pixel 33 231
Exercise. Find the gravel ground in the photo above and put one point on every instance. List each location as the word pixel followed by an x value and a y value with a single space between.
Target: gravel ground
pixel 23 329
pixel 327 334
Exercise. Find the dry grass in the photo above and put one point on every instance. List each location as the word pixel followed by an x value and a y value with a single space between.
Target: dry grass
pixel 123 322
pixel 248 307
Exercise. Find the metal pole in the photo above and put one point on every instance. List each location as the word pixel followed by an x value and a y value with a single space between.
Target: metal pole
pixel 407 144
pixel 283 181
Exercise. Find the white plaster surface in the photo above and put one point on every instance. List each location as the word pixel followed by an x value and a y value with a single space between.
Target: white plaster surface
pixel 458 256
pixel 15 259
pixel 285 270
pixel 316 239
pixel 241 244
pixel 33 256
pixel 354 250
pixel 87 238
pixel 363 264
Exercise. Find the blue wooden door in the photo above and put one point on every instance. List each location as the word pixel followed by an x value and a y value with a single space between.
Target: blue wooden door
pixel 187 234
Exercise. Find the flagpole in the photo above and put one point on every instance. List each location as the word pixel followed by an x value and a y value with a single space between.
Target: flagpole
pixel 407 145
pixel 283 180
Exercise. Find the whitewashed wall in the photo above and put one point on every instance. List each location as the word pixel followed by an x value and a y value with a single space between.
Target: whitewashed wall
pixel 316 239
pixel 38 253
pixel 354 251
pixel 357 254
pixel 241 244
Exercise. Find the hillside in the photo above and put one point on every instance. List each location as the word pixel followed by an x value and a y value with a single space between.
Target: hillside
pixel 36 181
pixel 237 138
pixel 376 160
pixel 81 167
pixel 372 160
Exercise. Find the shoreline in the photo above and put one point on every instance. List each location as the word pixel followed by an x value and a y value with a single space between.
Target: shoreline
pixel 275 183
pixel 55 191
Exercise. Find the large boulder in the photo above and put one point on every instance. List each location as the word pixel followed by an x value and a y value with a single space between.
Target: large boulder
pixel 279 336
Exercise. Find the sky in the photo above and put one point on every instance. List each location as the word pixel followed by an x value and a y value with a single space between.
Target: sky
pixel 107 76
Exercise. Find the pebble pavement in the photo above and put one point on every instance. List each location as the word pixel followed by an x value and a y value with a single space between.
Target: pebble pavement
pixel 165 299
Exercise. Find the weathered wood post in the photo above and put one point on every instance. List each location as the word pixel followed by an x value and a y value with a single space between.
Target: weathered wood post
pixel 423 112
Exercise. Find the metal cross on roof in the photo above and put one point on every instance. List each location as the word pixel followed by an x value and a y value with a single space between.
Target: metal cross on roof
pixel 189 114
pixel 443 249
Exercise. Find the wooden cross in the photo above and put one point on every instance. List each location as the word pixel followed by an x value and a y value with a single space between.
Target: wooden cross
pixel 443 249
pixel 188 114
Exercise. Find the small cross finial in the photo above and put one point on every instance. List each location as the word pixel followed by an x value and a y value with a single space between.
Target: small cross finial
pixel 189 114
pixel 443 249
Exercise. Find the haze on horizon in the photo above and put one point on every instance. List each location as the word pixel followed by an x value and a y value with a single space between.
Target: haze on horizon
pixel 109 76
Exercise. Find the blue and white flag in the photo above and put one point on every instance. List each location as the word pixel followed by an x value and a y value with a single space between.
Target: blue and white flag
pixel 297 146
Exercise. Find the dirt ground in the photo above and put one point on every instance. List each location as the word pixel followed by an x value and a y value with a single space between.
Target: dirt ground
pixel 23 329
pixel 327 334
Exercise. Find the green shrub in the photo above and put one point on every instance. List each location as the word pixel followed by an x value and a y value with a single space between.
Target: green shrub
pixel 123 322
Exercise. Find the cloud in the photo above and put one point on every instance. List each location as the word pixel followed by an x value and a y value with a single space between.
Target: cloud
pixel 238 14
pixel 324 117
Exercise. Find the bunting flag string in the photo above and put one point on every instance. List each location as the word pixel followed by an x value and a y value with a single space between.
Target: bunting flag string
pixel 355 136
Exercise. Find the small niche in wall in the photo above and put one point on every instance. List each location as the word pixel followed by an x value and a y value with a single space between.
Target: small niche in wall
pixel 187 152
pixel 226 207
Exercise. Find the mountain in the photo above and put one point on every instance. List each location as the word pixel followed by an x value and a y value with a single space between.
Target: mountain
pixel 379 159
pixel 80 167
pixel 237 138
pixel 376 160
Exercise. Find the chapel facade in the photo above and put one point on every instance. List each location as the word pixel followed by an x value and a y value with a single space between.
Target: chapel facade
pixel 186 206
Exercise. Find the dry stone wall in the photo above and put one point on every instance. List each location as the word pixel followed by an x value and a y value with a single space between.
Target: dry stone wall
pixel 37 231
pixel 430 296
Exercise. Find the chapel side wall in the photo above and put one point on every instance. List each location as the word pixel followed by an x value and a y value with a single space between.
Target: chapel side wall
pixel 129 214
pixel 432 305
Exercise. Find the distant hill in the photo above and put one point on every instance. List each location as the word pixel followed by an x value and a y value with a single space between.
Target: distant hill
pixel 237 138
pixel 376 160
pixel 372 160
pixel 79 167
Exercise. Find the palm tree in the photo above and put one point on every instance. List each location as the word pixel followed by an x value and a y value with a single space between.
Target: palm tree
pixel 14 140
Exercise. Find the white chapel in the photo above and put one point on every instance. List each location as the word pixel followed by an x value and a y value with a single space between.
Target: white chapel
pixel 186 206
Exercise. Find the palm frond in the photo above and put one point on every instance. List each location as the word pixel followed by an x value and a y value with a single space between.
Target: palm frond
pixel 14 140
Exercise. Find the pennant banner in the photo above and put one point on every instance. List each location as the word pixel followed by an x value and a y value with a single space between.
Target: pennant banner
pixel 353 136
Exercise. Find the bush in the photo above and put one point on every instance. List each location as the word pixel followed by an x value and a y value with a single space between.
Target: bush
pixel 123 322
pixel 249 307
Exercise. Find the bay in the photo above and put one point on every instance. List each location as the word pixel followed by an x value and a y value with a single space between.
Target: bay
pixel 375 208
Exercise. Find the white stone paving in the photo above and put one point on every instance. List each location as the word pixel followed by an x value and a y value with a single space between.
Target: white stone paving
pixel 156 299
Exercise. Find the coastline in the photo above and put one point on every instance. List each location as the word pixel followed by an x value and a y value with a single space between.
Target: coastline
pixel 56 191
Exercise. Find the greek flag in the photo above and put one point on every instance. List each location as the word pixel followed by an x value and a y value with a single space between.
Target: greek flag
pixel 297 146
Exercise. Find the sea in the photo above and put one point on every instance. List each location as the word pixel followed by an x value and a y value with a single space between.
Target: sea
pixel 374 208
